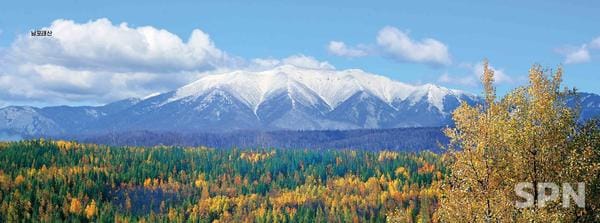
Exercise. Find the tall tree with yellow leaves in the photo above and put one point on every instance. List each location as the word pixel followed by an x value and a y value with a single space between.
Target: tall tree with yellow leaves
pixel 539 130
pixel 527 136
pixel 476 190
pixel 584 166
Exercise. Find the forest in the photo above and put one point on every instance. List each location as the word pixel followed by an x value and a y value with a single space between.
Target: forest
pixel 48 181
pixel 399 139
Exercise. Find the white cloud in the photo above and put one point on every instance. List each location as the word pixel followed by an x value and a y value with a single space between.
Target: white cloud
pixel 581 54
pixel 474 77
pixel 397 45
pixel 595 44
pixel 295 60
pixel 98 62
pixel 262 63
pixel 54 84
pixel 307 62
pixel 102 45
pixel 340 49
pixel 469 80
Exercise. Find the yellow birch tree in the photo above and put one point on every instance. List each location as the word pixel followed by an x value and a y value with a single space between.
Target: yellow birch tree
pixel 529 136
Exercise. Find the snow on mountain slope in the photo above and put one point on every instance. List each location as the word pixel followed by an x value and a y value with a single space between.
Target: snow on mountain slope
pixel 25 120
pixel 435 95
pixel 333 87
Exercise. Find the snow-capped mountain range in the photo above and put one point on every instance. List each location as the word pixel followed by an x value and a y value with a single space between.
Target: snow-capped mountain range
pixel 285 97
pixel 310 85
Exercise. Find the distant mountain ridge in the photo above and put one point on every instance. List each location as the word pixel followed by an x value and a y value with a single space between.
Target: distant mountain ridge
pixel 401 139
pixel 282 98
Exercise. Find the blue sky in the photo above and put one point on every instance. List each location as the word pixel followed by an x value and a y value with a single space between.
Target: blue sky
pixel 511 34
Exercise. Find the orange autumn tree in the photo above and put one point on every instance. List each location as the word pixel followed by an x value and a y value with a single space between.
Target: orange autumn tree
pixel 75 207
pixel 91 210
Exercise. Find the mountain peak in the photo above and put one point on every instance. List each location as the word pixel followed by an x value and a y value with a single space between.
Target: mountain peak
pixel 332 86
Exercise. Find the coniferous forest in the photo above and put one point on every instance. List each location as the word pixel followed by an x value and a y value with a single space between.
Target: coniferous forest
pixel 49 181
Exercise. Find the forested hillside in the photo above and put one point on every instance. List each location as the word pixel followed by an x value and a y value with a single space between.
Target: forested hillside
pixel 400 139
pixel 49 181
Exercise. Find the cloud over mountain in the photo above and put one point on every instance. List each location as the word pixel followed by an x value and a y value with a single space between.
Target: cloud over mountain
pixel 299 60
pixel 473 76
pixel 397 45
pixel 579 54
pixel 100 44
pixel 340 49
pixel 98 61
pixel 401 47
